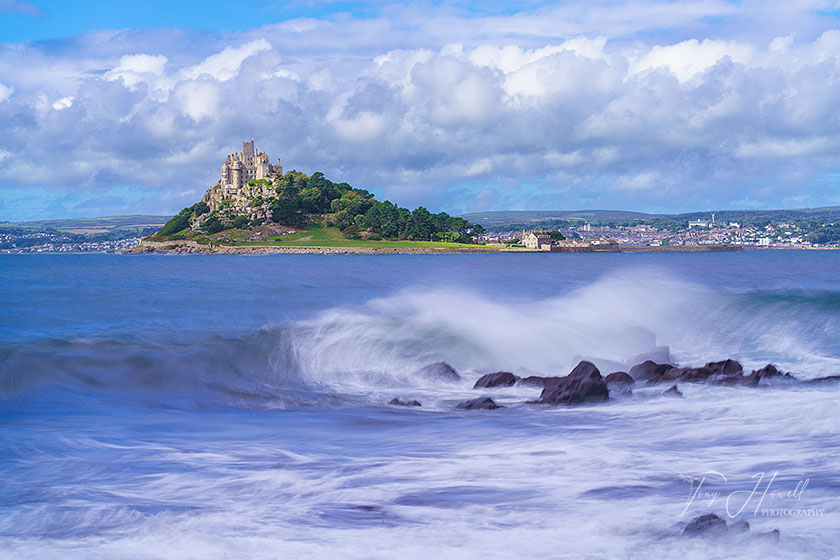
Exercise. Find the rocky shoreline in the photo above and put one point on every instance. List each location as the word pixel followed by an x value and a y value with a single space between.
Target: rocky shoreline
pixel 192 247
pixel 585 384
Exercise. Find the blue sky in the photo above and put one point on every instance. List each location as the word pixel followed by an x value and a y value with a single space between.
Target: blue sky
pixel 112 108
pixel 50 19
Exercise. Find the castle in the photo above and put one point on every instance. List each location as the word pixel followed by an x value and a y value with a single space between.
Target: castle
pixel 238 169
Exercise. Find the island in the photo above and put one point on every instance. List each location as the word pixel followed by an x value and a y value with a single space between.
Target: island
pixel 257 208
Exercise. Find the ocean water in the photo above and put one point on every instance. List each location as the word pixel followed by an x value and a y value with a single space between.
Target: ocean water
pixel 236 406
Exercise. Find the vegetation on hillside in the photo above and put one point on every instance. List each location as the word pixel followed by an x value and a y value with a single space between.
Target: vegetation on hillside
pixel 300 200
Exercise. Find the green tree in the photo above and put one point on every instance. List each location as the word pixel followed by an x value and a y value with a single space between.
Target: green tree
pixel 179 222
pixel 212 224
pixel 343 219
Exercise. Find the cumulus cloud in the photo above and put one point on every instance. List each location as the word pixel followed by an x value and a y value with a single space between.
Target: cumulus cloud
pixel 561 106
pixel 134 69
pixel 225 65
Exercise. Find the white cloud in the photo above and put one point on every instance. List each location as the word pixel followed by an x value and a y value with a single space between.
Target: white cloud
pixel 134 69
pixel 781 44
pixel 225 64
pixel 362 128
pixel 551 107
pixel 784 148
pixel 511 58
pixel 63 103
pixel 688 58
pixel 198 99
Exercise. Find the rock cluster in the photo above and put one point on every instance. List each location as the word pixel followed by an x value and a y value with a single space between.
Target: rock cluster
pixel 710 525
pixel 585 384
pixel 398 402
pixel 498 379
pixel 440 371
pixel 481 403
pixel 727 372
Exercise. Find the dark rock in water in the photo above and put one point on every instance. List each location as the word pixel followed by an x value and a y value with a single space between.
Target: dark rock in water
pixel 705 525
pixel 710 525
pixel 534 380
pixel 725 372
pixel 824 380
pixel 619 384
pixel 584 384
pixel 481 403
pixel 660 354
pixel 648 370
pixel 767 372
pixel 498 379
pixel 672 392
pixel 726 367
pixel 753 379
pixel 439 371
pixel 770 536
pixel 619 377
pixel 398 402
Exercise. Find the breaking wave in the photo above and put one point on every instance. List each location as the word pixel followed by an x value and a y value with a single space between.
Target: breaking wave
pixel 350 352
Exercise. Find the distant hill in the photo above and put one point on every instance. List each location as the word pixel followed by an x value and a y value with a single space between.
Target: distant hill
pixel 505 217
pixel 549 219
pixel 90 225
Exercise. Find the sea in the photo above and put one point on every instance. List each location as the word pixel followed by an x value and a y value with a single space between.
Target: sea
pixel 209 407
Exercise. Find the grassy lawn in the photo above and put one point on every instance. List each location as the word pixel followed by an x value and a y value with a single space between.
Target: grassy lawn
pixel 331 237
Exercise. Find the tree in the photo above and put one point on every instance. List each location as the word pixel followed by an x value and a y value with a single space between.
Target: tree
pixel 286 211
pixel 212 224
pixel 179 222
pixel 312 200
pixel 200 208
pixel 343 219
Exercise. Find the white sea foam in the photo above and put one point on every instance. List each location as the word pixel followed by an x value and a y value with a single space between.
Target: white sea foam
pixel 615 322
pixel 595 482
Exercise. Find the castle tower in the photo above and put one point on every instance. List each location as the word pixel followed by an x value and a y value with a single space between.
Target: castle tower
pixel 263 168
pixel 236 174
pixel 248 154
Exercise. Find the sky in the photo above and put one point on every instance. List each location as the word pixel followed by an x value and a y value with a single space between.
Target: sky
pixel 113 108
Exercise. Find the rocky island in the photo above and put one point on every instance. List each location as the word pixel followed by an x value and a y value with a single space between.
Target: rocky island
pixel 256 207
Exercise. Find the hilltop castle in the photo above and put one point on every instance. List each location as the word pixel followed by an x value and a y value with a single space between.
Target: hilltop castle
pixel 238 169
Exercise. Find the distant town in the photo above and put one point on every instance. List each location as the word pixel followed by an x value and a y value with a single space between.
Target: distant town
pixel 113 234
pixel 793 229
pixel 698 232
pixel 43 242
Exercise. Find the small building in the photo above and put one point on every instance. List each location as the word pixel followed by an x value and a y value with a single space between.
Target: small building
pixel 539 241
